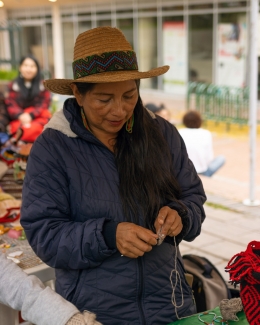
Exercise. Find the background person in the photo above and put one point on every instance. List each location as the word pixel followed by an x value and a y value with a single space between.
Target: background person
pixel 38 304
pixel 199 145
pixel 159 110
pixel 28 101
pixel 104 181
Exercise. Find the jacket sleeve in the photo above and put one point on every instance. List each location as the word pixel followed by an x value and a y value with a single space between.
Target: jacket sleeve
pixel 192 192
pixel 38 304
pixel 46 214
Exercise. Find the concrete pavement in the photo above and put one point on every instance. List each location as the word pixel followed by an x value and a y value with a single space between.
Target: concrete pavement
pixel 229 224
pixel 232 180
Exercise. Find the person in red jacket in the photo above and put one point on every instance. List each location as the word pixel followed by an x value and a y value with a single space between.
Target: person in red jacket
pixel 28 101
pixel 4 117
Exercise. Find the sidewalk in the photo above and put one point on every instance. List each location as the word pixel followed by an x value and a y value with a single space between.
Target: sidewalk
pixel 229 224
pixel 232 180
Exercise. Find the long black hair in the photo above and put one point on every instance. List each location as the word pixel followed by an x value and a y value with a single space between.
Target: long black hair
pixel 27 95
pixel 144 163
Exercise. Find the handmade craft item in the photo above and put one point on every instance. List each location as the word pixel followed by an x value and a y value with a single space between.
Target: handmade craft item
pixel 9 145
pixel 9 207
pixel 215 319
pixel 12 233
pixel 230 307
pixel 244 269
pixel 20 162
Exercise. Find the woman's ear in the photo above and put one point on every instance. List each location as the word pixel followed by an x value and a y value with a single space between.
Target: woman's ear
pixel 77 94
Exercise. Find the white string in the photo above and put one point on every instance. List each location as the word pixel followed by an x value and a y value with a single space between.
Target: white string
pixel 178 277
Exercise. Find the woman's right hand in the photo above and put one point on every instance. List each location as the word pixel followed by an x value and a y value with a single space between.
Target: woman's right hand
pixel 133 240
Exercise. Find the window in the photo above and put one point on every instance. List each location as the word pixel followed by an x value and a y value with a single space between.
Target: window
pixel 200 48
pixel 147 42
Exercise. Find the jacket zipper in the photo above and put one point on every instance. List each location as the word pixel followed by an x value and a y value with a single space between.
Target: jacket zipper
pixel 140 290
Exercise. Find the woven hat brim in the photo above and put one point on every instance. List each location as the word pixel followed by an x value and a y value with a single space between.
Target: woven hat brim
pixel 62 86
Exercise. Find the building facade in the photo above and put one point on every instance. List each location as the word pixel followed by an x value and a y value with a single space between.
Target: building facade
pixel 201 40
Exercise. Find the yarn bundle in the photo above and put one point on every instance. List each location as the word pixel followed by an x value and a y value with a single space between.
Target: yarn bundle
pixel 230 307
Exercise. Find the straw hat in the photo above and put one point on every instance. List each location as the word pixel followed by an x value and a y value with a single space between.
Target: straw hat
pixel 102 55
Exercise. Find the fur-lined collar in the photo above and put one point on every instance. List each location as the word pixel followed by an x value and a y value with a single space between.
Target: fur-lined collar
pixel 60 123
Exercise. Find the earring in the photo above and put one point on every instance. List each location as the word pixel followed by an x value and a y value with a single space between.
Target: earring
pixel 84 119
pixel 129 124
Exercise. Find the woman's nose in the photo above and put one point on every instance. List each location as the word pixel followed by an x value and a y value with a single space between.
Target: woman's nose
pixel 118 106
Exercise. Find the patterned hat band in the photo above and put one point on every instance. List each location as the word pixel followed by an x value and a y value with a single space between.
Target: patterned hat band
pixel 107 61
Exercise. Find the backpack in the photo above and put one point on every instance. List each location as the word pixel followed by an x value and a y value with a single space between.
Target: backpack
pixel 208 285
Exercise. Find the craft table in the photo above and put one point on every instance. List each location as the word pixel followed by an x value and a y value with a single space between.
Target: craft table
pixel 30 264
pixel 10 186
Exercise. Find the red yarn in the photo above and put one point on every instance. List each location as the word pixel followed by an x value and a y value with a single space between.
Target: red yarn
pixel 244 263
pixel 244 268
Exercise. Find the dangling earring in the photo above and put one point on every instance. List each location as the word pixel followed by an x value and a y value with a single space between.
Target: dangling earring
pixel 129 124
pixel 84 119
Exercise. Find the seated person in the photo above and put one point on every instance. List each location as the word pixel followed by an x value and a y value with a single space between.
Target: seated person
pixel 28 101
pixel 4 117
pixel 199 145
pixel 159 110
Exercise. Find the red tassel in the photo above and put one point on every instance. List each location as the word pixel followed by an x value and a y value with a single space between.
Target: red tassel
pixel 244 268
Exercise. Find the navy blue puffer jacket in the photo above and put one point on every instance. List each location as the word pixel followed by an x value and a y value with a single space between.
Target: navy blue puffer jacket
pixel 70 192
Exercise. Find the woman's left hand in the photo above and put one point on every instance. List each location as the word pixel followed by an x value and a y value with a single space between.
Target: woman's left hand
pixel 25 118
pixel 169 221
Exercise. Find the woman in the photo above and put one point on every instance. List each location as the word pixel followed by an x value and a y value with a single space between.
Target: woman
pixel 27 101
pixel 106 182
pixel 38 304
pixel 199 145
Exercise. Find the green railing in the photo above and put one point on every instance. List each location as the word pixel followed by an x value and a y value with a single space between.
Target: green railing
pixel 219 103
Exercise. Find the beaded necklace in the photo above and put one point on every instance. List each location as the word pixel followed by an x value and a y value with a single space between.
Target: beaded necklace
pixel 216 319
pixel 207 313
